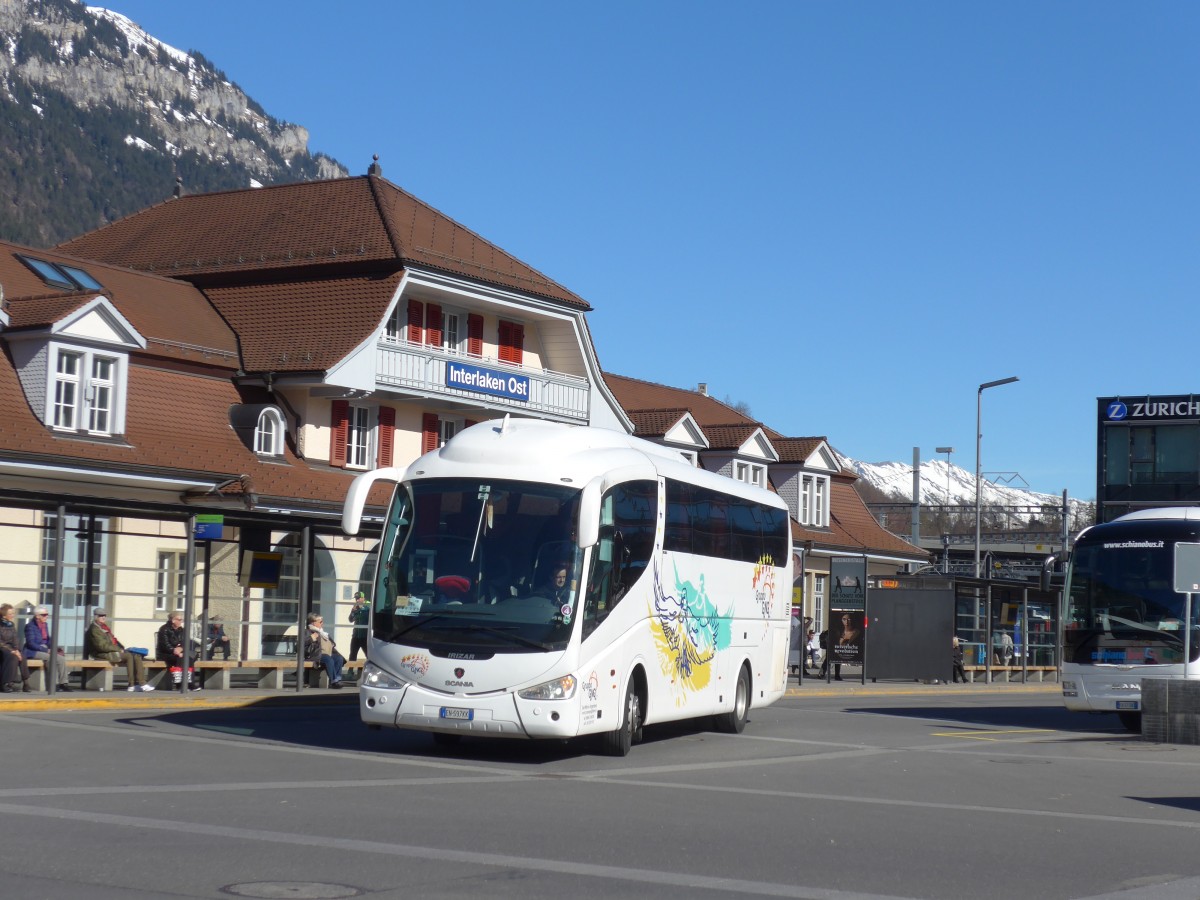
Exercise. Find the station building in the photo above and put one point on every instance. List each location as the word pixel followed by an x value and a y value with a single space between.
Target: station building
pixel 188 392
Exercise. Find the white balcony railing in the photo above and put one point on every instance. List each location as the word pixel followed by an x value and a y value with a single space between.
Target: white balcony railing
pixel 424 369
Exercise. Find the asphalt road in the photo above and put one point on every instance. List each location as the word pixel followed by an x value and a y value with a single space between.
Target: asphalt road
pixel 941 792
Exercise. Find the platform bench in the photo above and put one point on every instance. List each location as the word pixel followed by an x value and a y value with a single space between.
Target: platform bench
pixel 1012 673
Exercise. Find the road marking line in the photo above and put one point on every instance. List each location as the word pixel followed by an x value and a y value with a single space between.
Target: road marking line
pixel 990 735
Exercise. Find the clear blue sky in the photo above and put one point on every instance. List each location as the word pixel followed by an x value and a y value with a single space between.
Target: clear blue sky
pixel 847 215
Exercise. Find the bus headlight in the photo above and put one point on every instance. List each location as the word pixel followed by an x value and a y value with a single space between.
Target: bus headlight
pixel 558 689
pixel 375 677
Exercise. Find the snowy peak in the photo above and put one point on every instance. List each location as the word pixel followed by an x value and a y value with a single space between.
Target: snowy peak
pixel 945 484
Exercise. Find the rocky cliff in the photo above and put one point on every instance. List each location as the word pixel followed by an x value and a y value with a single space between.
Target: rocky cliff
pixel 89 98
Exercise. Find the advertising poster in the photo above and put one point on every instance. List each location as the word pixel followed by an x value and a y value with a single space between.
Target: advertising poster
pixel 848 609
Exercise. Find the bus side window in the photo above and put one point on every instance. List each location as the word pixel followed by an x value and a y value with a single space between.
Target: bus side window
pixel 627 523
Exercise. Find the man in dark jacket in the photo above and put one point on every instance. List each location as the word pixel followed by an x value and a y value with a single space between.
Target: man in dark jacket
pixel 15 670
pixel 169 649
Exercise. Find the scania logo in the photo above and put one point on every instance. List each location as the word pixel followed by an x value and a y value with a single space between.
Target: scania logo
pixel 459 673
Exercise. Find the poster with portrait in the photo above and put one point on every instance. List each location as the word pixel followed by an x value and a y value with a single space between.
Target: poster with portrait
pixel 848 609
pixel 847 636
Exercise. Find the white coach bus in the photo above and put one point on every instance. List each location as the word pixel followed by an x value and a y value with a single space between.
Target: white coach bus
pixel 539 580
pixel 1125 621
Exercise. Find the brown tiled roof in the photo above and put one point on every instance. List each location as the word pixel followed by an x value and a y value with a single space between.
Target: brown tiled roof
pixel 729 437
pixel 177 424
pixel 304 325
pixel 633 394
pixel 42 312
pixel 362 222
pixel 796 449
pixel 655 422
pixel 170 314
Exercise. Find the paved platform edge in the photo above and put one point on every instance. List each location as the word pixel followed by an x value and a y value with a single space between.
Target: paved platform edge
pixel 240 699
pixel 95 700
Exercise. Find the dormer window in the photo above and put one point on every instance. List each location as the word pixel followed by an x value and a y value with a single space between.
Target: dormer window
pixel 260 427
pixel 269 433
pixel 85 390
pixel 751 473
pixel 814 500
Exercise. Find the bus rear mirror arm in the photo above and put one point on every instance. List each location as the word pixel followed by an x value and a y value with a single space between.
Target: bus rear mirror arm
pixel 589 514
pixel 356 496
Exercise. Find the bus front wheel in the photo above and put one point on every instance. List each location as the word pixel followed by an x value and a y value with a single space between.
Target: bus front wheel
pixel 619 742
pixel 734 721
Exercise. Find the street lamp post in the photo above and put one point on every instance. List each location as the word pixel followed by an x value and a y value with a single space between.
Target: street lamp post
pixel 947 451
pixel 978 471
pixel 946 522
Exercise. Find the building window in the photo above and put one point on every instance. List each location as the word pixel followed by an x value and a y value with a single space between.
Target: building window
pixel 268 434
pixel 358 438
pixel 85 392
pixel 66 390
pixel 749 473
pixel 454 336
pixel 512 342
pixel 100 396
pixel 818 609
pixel 814 501
pixel 393 330
pixel 171 582
pixel 70 278
pixel 355 440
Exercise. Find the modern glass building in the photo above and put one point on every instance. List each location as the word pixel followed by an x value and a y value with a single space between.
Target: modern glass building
pixel 1148 453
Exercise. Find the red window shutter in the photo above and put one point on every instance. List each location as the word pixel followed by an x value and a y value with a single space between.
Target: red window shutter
pixel 387 435
pixel 433 325
pixel 467 423
pixel 416 314
pixel 474 335
pixel 429 432
pixel 512 340
pixel 340 423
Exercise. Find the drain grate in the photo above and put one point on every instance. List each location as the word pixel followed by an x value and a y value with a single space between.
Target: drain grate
pixel 299 890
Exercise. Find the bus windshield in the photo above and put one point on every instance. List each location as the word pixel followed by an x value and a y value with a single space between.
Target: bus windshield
pixel 1122 606
pixel 479 566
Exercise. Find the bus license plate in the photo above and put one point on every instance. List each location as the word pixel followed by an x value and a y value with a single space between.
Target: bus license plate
pixel 456 712
pixel 1127 704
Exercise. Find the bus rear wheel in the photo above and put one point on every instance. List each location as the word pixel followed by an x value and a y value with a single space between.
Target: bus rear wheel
pixel 734 721
pixel 620 741
pixel 1132 721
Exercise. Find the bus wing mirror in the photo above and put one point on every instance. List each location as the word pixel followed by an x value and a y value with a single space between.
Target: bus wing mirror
pixel 1048 566
pixel 356 497
pixel 589 514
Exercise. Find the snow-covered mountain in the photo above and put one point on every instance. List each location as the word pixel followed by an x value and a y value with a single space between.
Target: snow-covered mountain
pixel 948 484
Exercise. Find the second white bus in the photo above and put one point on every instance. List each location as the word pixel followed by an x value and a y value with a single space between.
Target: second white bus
pixel 539 580
pixel 1125 621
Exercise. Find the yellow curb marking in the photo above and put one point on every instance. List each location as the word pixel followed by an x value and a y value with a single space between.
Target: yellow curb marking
pixel 991 735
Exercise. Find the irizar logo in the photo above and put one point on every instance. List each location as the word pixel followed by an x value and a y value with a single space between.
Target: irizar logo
pixel 1117 410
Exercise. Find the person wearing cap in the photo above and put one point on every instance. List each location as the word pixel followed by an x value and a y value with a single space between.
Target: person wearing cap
pixel 359 615
pixel 101 643
pixel 320 648
pixel 14 673
pixel 37 646
pixel 217 639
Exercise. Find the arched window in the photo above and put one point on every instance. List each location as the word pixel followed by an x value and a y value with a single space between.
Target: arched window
pixel 269 432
